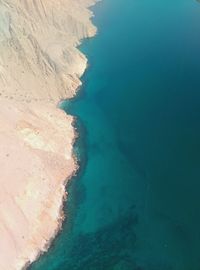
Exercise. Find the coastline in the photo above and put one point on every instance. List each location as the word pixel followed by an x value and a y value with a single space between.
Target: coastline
pixel 35 141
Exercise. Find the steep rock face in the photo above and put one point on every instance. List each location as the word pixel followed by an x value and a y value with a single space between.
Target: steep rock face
pixel 35 161
pixel 38 39
pixel 39 66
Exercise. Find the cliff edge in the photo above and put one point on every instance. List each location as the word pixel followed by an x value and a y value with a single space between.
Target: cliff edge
pixel 39 66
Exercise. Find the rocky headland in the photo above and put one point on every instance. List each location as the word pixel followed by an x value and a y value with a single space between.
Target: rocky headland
pixel 39 66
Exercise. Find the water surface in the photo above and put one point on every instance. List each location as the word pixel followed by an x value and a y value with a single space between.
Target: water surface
pixel 135 204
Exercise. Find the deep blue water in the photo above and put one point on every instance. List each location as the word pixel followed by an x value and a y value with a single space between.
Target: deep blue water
pixel 135 204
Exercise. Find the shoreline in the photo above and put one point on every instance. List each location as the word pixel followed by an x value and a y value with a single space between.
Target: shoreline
pixel 61 216
pixel 40 129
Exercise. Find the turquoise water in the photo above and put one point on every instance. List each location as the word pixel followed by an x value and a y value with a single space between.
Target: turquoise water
pixel 135 204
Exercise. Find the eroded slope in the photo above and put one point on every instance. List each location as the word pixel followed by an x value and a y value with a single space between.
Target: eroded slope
pixel 39 66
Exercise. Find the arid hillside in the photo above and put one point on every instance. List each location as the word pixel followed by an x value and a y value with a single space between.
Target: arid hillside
pixel 39 66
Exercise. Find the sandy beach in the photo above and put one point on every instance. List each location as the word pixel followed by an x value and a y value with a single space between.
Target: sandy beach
pixel 39 66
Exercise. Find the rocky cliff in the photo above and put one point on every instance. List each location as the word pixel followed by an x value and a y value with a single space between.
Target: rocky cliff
pixel 39 66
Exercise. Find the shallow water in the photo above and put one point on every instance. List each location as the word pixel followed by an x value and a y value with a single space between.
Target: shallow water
pixel 135 204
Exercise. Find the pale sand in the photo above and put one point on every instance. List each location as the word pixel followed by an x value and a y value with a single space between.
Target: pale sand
pixel 39 66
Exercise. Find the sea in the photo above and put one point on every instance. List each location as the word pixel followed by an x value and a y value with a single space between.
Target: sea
pixel 135 202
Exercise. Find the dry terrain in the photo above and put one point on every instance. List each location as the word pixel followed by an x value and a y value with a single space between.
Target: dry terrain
pixel 39 66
